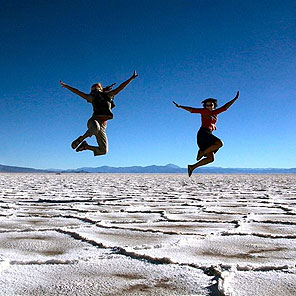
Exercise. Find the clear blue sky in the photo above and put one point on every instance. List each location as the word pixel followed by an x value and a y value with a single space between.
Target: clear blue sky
pixel 183 50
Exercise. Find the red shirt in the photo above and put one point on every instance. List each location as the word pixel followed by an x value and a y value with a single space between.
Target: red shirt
pixel 208 117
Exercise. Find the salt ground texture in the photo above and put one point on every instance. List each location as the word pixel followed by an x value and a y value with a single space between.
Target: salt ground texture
pixel 111 234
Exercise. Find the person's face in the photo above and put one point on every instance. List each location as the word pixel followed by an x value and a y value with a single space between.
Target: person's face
pixel 97 87
pixel 210 105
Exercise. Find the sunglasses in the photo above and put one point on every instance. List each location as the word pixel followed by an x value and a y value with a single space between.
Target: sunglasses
pixel 209 105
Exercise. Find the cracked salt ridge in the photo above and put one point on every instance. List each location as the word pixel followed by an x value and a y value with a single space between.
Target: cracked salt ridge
pixel 165 260
pixel 120 251
pixel 218 198
pixel 123 277
pixel 268 229
pixel 43 247
pixel 279 219
pixel 36 223
pixel 209 251
pixel 222 275
pixel 95 275
pixel 40 262
pixel 152 243
pixel 180 228
pixel 116 249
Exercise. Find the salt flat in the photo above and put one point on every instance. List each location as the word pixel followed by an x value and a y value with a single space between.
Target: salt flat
pixel 111 234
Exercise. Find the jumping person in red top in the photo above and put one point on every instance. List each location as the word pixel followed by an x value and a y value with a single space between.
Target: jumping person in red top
pixel 208 144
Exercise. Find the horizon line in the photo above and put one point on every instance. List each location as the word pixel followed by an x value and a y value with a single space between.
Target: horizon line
pixel 145 166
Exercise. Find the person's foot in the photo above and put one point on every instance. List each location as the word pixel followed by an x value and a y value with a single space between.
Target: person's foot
pixel 82 146
pixel 190 170
pixel 199 155
pixel 76 143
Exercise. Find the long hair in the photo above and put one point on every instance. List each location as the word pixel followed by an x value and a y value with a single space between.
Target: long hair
pixel 95 84
pixel 106 88
pixel 212 100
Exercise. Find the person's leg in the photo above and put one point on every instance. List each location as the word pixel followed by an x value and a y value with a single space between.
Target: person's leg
pixel 99 130
pixel 209 157
pixel 80 139
pixel 91 129
pixel 199 155
pixel 214 147
pixel 102 141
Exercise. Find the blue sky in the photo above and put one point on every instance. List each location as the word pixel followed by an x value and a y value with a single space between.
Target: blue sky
pixel 182 50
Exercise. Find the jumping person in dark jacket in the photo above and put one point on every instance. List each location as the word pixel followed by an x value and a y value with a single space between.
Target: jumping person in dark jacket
pixel 208 143
pixel 101 99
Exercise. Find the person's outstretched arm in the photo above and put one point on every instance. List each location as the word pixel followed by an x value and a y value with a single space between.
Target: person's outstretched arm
pixel 108 88
pixel 227 105
pixel 124 84
pixel 189 109
pixel 75 91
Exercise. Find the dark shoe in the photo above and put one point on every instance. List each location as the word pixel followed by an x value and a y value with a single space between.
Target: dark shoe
pixel 190 170
pixel 76 142
pixel 82 147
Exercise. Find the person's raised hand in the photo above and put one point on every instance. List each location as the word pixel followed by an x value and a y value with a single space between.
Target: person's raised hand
pixel 62 83
pixel 135 75
pixel 177 105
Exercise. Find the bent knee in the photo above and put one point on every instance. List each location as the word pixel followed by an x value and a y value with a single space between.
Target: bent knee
pixel 219 143
pixel 99 152
pixel 211 157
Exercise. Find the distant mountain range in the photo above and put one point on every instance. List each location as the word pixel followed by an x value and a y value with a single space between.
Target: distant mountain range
pixel 15 169
pixel 152 169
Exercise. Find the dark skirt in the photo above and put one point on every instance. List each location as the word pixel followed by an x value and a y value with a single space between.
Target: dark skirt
pixel 205 139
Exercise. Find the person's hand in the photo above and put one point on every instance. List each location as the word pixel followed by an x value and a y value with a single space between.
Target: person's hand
pixel 237 95
pixel 135 75
pixel 62 83
pixel 177 105
pixel 108 88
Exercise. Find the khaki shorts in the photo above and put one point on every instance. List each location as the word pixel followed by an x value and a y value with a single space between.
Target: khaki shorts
pixel 98 129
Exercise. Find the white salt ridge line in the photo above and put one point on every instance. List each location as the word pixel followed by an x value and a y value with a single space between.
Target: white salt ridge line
pixel 56 201
pixel 104 225
pixel 274 229
pixel 275 236
pixel 181 221
pixel 46 262
pixel 236 267
pixel 83 219
pixel 244 211
pixel 157 227
pixel 224 233
pixel 265 268
pixel 28 230
pixel 284 208
pixel 29 222
pixel 274 222
pixel 118 250
pixel 219 268
pixel 36 229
